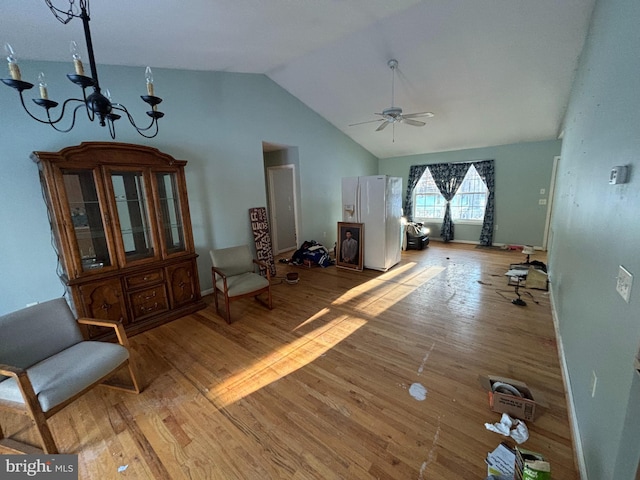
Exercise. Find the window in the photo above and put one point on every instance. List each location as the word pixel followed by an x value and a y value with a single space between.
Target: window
pixel 428 202
pixel 467 205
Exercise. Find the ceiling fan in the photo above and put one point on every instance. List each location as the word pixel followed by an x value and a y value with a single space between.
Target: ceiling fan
pixel 393 114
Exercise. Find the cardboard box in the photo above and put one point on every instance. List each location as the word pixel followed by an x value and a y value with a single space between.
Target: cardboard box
pixel 531 466
pixel 527 407
pixel 537 279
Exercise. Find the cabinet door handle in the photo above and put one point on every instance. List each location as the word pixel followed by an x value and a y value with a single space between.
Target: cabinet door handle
pixel 149 297
pixel 144 309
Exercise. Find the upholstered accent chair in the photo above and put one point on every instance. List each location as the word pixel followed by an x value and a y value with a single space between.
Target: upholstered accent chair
pixel 234 276
pixel 45 364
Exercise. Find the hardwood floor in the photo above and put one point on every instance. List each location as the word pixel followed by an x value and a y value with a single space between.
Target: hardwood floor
pixel 321 386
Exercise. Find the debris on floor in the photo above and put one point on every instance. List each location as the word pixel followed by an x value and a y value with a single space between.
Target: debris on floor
pixel 510 427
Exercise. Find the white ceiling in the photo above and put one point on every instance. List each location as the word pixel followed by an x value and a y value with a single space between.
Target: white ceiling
pixel 492 71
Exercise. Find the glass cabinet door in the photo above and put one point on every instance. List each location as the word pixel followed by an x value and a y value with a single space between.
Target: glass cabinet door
pixel 86 219
pixel 170 212
pixel 130 196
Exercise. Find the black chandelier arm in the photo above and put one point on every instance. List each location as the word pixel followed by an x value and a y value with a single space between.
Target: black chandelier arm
pixel 73 121
pixel 154 120
pixel 49 121
pixel 112 127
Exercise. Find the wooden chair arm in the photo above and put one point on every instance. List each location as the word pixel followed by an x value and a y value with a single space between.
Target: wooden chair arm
pixel 11 371
pixel 265 266
pixel 97 322
pixel 26 389
pixel 117 326
pixel 219 272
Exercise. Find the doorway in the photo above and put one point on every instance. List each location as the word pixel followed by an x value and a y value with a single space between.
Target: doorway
pixel 282 196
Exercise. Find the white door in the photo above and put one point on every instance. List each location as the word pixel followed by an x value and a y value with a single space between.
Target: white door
pixel 282 208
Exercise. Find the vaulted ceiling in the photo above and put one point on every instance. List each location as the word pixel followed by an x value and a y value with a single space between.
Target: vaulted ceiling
pixel 492 71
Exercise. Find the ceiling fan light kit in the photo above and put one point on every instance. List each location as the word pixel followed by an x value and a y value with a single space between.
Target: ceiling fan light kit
pixel 393 114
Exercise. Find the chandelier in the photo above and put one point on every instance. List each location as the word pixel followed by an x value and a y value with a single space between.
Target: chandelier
pixel 97 102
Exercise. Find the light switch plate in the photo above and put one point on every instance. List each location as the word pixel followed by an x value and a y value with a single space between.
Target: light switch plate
pixel 624 282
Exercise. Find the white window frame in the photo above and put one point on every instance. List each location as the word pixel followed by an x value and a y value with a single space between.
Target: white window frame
pixel 441 202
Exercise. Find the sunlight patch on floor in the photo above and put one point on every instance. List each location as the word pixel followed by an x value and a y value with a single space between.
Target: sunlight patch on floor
pixel 401 280
pixel 405 277
pixel 285 360
pixel 313 318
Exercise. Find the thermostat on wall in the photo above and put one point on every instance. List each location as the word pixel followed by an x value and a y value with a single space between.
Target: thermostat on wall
pixel 618 175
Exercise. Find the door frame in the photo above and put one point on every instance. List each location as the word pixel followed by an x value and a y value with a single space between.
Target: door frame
pixel 546 239
pixel 272 203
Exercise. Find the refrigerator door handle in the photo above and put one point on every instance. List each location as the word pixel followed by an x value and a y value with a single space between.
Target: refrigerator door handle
pixel 358 191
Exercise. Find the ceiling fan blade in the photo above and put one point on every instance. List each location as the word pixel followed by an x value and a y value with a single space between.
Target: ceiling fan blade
pixel 415 123
pixel 421 114
pixel 382 127
pixel 368 121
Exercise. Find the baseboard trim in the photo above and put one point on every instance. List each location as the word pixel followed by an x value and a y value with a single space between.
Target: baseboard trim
pixel 506 246
pixel 573 420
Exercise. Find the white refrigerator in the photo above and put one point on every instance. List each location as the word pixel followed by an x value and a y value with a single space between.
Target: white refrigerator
pixel 375 201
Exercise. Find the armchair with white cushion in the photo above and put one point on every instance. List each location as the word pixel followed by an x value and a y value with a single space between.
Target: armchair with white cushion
pixel 234 276
pixel 45 364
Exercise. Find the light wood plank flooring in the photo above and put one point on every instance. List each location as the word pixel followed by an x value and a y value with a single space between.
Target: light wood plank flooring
pixel 320 387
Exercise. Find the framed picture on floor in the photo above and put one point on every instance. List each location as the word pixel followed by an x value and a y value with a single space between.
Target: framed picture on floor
pixel 350 246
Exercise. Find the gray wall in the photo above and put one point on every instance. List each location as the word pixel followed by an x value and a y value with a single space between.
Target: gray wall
pixel 596 228
pixel 216 121
pixel 521 171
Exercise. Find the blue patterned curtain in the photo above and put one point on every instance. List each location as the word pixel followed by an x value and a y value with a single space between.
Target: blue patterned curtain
pixel 448 177
pixel 415 173
pixel 487 174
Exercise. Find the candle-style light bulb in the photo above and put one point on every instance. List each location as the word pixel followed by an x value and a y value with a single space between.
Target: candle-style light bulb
pixel 77 60
pixel 148 74
pixel 42 82
pixel 107 94
pixel 14 70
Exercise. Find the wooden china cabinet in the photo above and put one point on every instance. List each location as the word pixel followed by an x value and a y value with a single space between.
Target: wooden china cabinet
pixel 122 231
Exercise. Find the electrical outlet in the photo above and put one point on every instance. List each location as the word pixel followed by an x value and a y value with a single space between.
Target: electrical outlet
pixel 542 191
pixel 624 282
pixel 594 383
pixel 542 201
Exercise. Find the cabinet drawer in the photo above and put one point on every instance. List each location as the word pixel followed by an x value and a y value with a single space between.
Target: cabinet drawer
pixel 149 302
pixel 142 279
